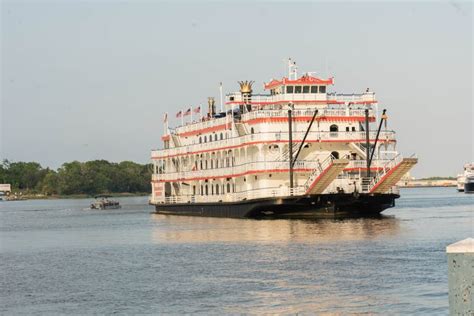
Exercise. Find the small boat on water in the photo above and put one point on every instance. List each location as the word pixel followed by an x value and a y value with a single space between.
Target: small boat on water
pixel 465 180
pixel 103 202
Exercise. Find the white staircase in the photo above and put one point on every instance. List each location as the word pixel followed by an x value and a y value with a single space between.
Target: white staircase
pixel 176 140
pixel 391 173
pixel 324 174
pixel 359 149
pixel 285 155
pixel 242 129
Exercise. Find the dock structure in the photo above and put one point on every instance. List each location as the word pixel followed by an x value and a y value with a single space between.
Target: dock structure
pixel 461 277
pixel 5 188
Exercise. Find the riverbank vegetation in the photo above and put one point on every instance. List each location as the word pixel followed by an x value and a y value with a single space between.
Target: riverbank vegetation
pixel 77 178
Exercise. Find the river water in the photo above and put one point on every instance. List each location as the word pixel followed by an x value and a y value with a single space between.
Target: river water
pixel 57 257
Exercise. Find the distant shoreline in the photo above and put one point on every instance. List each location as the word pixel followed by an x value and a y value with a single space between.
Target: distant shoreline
pixel 71 196
pixel 426 186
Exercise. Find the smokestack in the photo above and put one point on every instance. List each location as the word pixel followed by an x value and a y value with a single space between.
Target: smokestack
pixel 212 107
pixel 246 91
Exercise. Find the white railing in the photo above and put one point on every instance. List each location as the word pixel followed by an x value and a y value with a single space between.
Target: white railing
pixel 197 125
pixel 234 98
pixel 320 167
pixel 362 164
pixel 344 112
pixel 354 97
pixel 271 137
pixel 234 196
pixel 263 99
pixel 385 169
pixel 238 169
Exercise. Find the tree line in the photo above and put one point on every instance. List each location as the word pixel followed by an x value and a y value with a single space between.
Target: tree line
pixel 91 177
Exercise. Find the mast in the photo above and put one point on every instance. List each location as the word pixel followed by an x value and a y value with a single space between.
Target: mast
pixel 222 98
pixel 304 138
pixel 290 137
pixel 384 117
pixel 367 141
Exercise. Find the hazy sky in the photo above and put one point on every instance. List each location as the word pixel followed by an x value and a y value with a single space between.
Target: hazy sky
pixel 91 80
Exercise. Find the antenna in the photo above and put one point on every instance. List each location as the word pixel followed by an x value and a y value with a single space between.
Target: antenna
pixel 222 98
pixel 289 67
pixel 292 69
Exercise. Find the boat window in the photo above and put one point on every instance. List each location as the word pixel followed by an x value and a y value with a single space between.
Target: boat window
pixel 297 89
pixel 207 190
pixel 200 139
pixel 347 128
pixel 333 128
pixel 252 131
pixel 194 190
pixel 205 139
pixel 353 128
pixel 289 89
pixel 228 187
pixel 314 89
pixel 215 137
pixel 322 89
pixel 222 136
pixel 335 154
pixel 305 89
pixel 217 189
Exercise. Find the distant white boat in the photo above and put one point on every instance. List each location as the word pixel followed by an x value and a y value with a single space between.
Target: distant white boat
pixel 469 183
pixel 460 182
pixel 465 181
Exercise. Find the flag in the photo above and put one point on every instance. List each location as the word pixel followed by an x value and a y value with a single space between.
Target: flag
pixel 187 112
pixel 197 110
pixel 179 114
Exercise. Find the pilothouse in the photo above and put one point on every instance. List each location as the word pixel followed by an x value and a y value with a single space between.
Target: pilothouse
pixel 297 150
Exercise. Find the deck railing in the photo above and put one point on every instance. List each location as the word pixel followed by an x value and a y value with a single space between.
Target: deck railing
pixel 257 99
pixel 233 170
pixel 273 137
pixel 234 196
pixel 198 125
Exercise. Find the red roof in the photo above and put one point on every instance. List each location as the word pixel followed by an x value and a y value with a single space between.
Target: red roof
pixel 304 80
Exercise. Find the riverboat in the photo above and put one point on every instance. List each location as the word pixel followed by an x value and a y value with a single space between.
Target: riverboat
pixel 296 150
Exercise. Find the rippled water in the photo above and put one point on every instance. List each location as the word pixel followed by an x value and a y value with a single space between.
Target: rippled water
pixel 58 257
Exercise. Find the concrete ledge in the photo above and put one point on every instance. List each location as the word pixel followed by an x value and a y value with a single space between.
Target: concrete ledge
pixel 463 246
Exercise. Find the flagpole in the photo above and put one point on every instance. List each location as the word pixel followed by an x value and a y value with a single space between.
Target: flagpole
pixel 191 113
pixel 182 118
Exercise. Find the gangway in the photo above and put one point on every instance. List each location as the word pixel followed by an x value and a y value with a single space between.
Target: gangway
pixel 324 174
pixel 392 174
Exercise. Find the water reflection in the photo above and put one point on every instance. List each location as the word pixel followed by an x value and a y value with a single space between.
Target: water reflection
pixel 184 229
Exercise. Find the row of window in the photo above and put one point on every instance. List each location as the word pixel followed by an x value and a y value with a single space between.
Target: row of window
pixel 305 89
pixel 215 137
pixel 217 189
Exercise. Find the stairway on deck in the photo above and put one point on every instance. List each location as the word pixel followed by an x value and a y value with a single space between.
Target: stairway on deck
pixel 326 176
pixel 394 175
pixel 359 149
pixel 241 129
